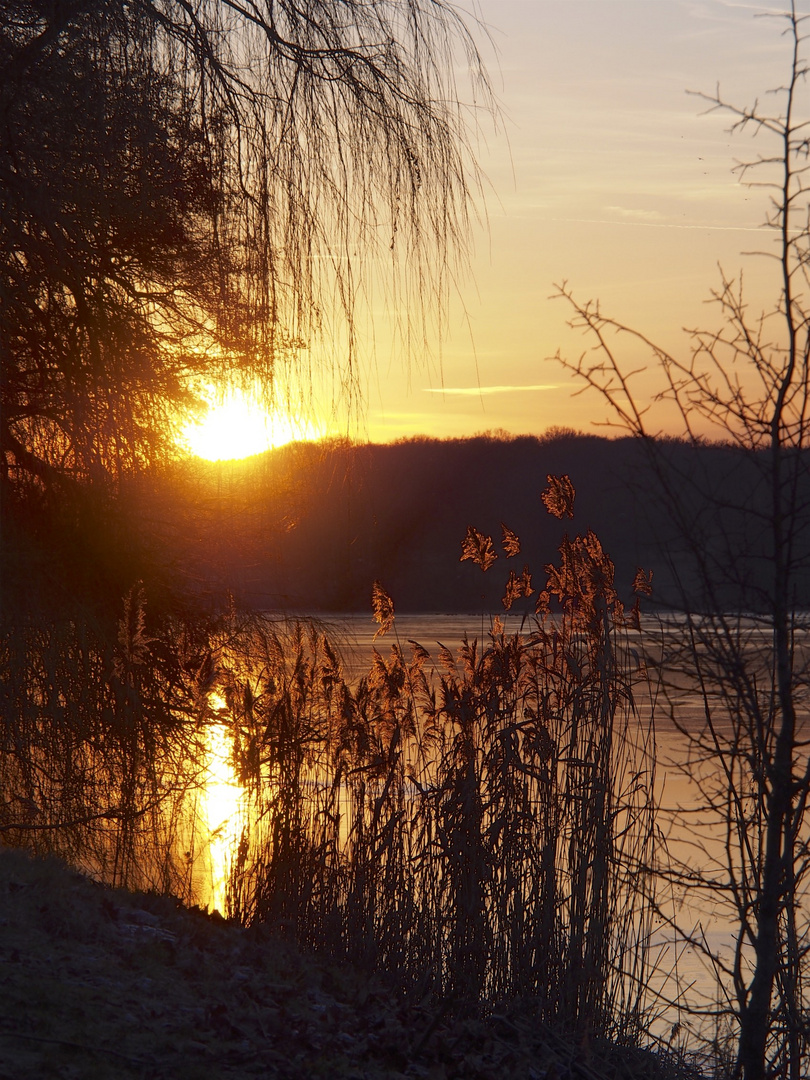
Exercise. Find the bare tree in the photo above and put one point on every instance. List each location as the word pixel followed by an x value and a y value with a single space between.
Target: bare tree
pixel 190 190
pixel 740 569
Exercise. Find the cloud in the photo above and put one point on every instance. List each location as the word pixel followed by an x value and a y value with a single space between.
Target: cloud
pixel 477 391
pixel 658 225
pixel 639 215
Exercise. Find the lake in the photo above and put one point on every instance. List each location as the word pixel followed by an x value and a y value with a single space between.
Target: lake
pixel 683 971
pixel 692 838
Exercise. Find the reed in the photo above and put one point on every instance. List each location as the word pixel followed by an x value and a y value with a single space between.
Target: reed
pixel 480 826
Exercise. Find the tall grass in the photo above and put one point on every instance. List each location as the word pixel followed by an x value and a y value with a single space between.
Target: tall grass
pixel 480 825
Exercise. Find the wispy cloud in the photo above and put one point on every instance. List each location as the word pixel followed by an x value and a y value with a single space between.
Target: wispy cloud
pixel 476 391
pixel 660 224
pixel 635 214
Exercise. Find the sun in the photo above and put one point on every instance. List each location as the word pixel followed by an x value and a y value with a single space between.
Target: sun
pixel 238 426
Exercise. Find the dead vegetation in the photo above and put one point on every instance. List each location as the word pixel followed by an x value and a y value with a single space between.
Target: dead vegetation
pixel 475 830
pixel 101 983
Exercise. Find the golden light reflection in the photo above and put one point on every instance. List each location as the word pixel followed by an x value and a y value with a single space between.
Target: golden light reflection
pixel 238 426
pixel 222 808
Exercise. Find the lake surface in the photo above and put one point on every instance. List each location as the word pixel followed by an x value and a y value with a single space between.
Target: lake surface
pixel 683 970
pixel 691 838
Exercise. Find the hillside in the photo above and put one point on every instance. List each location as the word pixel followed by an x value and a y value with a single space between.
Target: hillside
pixel 107 984
pixel 309 527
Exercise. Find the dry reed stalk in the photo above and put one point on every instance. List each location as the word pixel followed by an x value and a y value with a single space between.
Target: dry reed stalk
pixel 479 825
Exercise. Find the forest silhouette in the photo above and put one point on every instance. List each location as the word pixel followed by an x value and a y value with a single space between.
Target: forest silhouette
pixel 308 527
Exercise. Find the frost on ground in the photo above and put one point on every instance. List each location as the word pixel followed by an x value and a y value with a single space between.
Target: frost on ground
pixel 100 984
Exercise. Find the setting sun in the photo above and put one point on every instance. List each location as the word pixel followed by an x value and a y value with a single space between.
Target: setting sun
pixel 239 426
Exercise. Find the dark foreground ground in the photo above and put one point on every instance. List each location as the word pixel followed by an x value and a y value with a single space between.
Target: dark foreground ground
pixel 96 983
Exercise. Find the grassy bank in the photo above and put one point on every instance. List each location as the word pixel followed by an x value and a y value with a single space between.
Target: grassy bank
pixel 103 983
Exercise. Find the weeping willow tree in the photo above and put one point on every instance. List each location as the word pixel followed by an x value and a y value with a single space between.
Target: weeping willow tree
pixel 192 190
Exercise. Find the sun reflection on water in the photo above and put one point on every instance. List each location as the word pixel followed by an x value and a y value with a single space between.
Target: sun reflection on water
pixel 222 809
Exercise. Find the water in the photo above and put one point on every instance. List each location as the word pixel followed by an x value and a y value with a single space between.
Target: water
pixel 692 839
pixel 683 969
pixel 222 817
pixel 356 635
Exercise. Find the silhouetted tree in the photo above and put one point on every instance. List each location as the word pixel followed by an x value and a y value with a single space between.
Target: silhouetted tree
pixel 748 386
pixel 190 190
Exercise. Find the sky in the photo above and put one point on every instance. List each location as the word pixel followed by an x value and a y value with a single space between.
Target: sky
pixel 605 173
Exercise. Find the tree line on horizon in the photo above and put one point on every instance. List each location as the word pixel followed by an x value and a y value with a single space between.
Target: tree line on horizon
pixel 309 527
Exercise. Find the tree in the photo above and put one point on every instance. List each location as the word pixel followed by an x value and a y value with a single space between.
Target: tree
pixel 189 191
pixel 742 649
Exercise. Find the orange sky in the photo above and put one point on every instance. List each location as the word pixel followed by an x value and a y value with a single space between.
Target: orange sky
pixel 609 177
